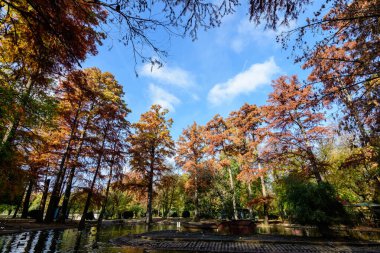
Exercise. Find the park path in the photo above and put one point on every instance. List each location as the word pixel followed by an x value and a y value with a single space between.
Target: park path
pixel 221 246
pixel 190 242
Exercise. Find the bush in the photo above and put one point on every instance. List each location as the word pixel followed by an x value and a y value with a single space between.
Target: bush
pixel 90 216
pixel 185 214
pixel 311 203
pixel 35 214
pixel 128 215
pixel 174 215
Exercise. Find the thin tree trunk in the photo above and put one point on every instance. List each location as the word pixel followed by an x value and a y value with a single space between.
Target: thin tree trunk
pixel 171 198
pixel 55 195
pixel 89 196
pixel 43 200
pixel 314 165
pixel 149 218
pixel 309 151
pixel 25 207
pixel 70 179
pixel 232 185
pixel 104 205
pixel 10 133
pixel 19 204
pixel 196 200
pixel 250 197
pixel 264 192
pixel 347 100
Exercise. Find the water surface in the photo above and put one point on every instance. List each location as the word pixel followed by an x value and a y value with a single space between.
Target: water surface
pixel 92 240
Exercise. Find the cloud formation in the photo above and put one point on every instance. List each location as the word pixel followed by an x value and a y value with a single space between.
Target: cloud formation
pixel 163 98
pixel 174 76
pixel 247 32
pixel 245 82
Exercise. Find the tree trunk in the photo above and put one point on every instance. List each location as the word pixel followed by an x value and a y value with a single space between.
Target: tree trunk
pixel 309 151
pixel 314 165
pixel 149 218
pixel 82 222
pixel 196 200
pixel 43 200
pixel 264 192
pixel 347 100
pixel 55 195
pixel 232 185
pixel 104 205
pixel 70 179
pixel 25 207
pixel 10 133
pixel 250 197
pixel 19 204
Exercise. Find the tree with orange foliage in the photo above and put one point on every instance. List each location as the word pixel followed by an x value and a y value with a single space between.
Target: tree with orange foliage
pixel 192 158
pixel 108 129
pixel 219 136
pixel 151 144
pixel 40 39
pixel 247 134
pixel 294 124
pixel 75 94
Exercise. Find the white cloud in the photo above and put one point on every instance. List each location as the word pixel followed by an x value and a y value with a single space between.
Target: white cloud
pixel 257 75
pixel 163 98
pixel 247 32
pixel 168 75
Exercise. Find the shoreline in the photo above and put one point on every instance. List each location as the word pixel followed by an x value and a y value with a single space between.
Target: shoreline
pixel 12 226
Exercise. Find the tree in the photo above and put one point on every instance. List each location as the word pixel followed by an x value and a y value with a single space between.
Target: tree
pixel 151 143
pixel 107 127
pixel 294 123
pixel 220 145
pixel 40 39
pixel 168 193
pixel 115 160
pixel 75 94
pixel 138 19
pixel 192 158
pixel 247 134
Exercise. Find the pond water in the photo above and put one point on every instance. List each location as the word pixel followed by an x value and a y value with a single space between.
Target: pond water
pixel 71 240
pixel 91 240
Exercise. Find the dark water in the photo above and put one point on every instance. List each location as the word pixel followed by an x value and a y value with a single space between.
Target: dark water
pixel 70 240
pixel 92 240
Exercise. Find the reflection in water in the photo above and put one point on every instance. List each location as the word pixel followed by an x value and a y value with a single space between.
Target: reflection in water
pixel 97 240
pixel 71 240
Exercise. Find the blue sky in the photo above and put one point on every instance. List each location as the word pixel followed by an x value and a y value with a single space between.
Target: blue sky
pixel 220 71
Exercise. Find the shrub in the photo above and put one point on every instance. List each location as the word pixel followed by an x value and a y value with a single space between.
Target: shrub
pixel 174 215
pixel 35 214
pixel 90 216
pixel 128 215
pixel 311 203
pixel 185 214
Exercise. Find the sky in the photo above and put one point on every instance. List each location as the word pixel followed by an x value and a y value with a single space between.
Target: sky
pixel 215 74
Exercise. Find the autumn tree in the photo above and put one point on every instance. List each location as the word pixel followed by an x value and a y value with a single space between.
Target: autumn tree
pixel 294 123
pixel 221 147
pixel 40 39
pixel 75 93
pixel 247 134
pixel 86 98
pixel 346 67
pixel 192 158
pixel 168 193
pixel 151 144
pixel 115 163
pixel 108 130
